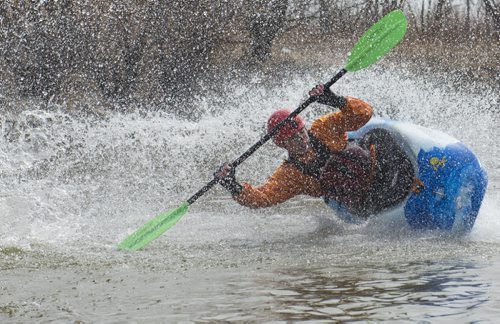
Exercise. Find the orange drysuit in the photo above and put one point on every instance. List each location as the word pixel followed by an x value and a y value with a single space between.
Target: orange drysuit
pixel 287 181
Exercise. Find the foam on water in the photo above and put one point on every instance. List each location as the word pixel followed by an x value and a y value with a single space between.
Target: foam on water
pixel 86 183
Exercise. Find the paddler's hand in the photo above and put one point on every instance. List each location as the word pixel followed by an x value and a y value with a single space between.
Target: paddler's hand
pixel 225 175
pixel 318 90
pixel 326 97
pixel 225 171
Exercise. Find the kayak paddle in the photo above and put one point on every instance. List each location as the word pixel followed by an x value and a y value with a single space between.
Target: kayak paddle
pixel 383 36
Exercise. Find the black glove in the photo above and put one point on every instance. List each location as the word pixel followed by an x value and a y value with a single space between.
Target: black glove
pixel 329 98
pixel 229 181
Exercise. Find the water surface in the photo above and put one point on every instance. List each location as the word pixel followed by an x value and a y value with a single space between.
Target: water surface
pixel 72 188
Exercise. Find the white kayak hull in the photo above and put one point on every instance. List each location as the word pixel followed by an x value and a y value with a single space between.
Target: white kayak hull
pixel 454 182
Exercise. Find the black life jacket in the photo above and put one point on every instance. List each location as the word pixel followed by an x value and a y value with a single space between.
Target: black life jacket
pixel 346 175
pixel 368 176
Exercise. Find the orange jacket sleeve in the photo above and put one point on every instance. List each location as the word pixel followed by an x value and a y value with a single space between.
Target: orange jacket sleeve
pixel 285 183
pixel 331 129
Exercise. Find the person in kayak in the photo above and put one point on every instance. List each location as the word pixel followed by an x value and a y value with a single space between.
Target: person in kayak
pixel 364 177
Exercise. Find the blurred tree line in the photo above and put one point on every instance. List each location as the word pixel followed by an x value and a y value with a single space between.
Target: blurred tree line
pixel 162 50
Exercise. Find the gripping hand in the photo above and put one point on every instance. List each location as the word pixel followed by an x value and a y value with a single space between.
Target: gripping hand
pixel 326 97
pixel 225 175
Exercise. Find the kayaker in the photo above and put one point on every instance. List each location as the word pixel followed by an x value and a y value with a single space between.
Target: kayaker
pixel 365 177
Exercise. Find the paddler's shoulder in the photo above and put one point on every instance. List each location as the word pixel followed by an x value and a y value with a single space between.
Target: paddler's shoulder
pixel 357 106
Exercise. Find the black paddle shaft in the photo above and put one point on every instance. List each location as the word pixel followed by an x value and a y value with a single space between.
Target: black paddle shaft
pixel 266 137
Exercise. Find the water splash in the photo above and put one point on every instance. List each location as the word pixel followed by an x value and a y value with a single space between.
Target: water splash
pixel 90 181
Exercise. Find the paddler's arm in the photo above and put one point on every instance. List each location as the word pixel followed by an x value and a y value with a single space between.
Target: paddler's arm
pixel 352 116
pixel 354 113
pixel 285 183
pixel 331 128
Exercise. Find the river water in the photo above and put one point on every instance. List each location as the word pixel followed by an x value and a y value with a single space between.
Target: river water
pixel 72 188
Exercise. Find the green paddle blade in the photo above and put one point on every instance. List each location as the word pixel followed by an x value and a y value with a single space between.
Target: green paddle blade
pixel 154 228
pixel 377 41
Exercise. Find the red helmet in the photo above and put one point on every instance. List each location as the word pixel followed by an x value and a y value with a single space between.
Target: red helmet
pixel 287 130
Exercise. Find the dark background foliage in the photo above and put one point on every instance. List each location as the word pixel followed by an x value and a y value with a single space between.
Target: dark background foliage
pixel 165 51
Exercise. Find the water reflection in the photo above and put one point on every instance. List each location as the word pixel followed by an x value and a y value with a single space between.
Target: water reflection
pixel 413 291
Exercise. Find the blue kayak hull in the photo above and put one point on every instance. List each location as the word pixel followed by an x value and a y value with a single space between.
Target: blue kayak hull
pixel 454 182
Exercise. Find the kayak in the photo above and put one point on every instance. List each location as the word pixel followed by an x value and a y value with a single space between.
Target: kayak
pixel 452 182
